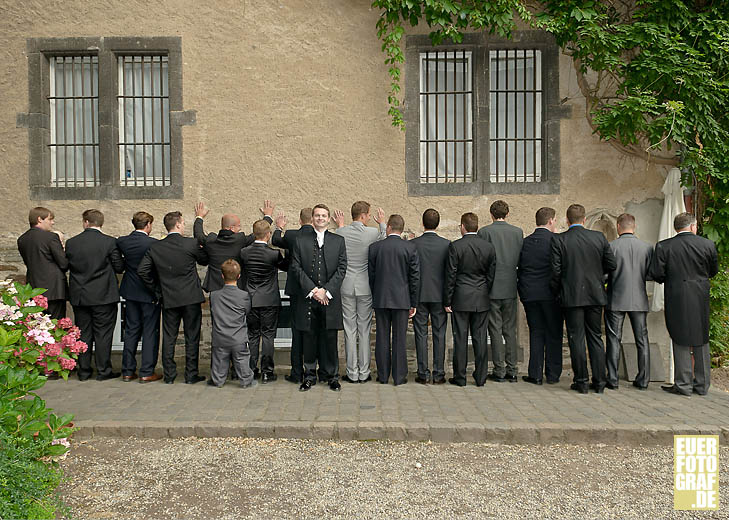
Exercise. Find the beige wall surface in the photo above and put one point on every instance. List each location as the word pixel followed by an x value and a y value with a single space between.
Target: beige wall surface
pixel 291 105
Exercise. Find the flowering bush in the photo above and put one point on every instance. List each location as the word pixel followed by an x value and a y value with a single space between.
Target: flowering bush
pixel 31 339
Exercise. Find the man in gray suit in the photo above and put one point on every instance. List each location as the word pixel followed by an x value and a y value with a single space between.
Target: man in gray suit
pixel 626 293
pixel 356 294
pixel 507 241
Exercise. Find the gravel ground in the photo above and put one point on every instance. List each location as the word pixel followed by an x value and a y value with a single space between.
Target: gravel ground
pixel 253 478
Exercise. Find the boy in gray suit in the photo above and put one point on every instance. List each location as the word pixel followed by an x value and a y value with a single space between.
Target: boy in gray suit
pixel 229 308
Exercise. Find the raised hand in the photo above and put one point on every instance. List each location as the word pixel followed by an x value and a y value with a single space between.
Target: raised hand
pixel 201 210
pixel 339 217
pixel 280 220
pixel 380 216
pixel 267 208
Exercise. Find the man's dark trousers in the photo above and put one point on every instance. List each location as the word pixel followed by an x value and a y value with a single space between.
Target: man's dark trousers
pixel 262 323
pixel 97 324
pixel 586 323
pixel 56 309
pixel 544 319
pixel 614 333
pixel 462 321
pixel 438 324
pixel 171 318
pixel 297 348
pixel 320 343
pixel 141 321
pixel 391 356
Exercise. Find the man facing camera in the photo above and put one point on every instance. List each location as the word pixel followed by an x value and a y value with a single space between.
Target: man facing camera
pixel 685 263
pixel 469 276
pixel 229 308
pixel 394 277
pixel 261 264
pixel 93 261
pixel 169 268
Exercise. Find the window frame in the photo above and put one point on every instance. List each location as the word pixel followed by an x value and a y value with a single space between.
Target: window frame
pixel 552 112
pixel 108 49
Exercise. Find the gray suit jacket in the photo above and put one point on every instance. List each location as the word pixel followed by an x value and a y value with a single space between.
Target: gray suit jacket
pixel 357 239
pixel 507 241
pixel 229 308
pixel 626 285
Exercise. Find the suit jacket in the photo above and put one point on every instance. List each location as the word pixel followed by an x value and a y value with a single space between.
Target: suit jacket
pixel 286 241
pixel 133 247
pixel 684 264
pixel 229 307
pixel 93 260
pixel 507 241
pixel 433 253
pixel 357 238
pixel 169 269
pixel 219 247
pixel 262 264
pixel 626 284
pixel 45 262
pixel 580 259
pixel 301 267
pixel 394 274
pixel 535 269
pixel 470 271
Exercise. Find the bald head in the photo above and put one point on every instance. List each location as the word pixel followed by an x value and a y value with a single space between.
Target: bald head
pixel 230 221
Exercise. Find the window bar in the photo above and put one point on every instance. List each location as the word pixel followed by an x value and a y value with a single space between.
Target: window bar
pixel 437 112
pixel 144 134
pixel 55 94
pixel 134 122
pixel 498 108
pixel 94 135
pixel 162 122
pixel 524 131
pixel 83 119
pixel 445 119
pixel 151 86
pixel 534 115
pixel 427 116
pixel 465 89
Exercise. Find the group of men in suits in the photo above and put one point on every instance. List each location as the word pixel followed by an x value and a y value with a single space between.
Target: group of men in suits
pixel 338 280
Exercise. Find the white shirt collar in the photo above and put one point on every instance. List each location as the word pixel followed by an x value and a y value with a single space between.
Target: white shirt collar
pixel 173 232
pixel 428 231
pixel 140 231
pixel 260 242
pixel 320 237
pixel 394 235
pixel 471 233
pixel 94 227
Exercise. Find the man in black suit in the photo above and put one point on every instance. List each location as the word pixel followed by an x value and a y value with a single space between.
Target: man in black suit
pixel 261 264
pixel 45 261
pixel 142 311
pixel 224 244
pixel 93 260
pixel 469 276
pixel 580 259
pixel 319 263
pixel 169 268
pixel 685 263
pixel 433 252
pixel 543 314
pixel 286 241
pixel 393 267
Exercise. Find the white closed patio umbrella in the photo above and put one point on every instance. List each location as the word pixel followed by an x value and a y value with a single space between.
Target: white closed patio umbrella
pixel 673 204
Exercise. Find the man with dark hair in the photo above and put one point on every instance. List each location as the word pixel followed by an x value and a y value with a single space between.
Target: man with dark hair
pixel 433 252
pixel 261 264
pixel 544 317
pixel 394 278
pixel 685 263
pixel 93 261
pixel 469 276
pixel 229 309
pixel 169 269
pixel 286 241
pixel 142 311
pixel 319 263
pixel 45 261
pixel 626 293
pixel 580 258
pixel 224 244
pixel 356 293
pixel 507 241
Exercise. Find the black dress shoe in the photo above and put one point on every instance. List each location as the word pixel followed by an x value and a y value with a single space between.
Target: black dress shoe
pixel 552 381
pixel 194 379
pixel 639 387
pixel 496 378
pixel 292 379
pixel 512 378
pixel 421 380
pixel 452 380
pixel 334 385
pixel 84 378
pixel 381 382
pixel 305 386
pixel 369 378
pixel 579 388
pixel 439 381
pixel 673 389
pixel 348 379
pixel 531 380
pixel 268 378
pixel 210 383
pixel 611 386
pixel 256 374
pixel 597 389
pixel 110 375
pixel 693 390
pixel 403 382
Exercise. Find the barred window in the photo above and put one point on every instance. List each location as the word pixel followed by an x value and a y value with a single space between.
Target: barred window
pixel 446 125
pixel 144 121
pixel 74 124
pixel 515 115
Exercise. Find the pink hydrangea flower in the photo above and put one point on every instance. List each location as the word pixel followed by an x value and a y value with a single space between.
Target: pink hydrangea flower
pixel 41 301
pixel 65 323
pixel 52 349
pixel 79 347
pixel 67 364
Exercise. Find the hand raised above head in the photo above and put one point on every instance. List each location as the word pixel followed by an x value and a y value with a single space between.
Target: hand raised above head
pixel 339 217
pixel 280 220
pixel 201 210
pixel 380 216
pixel 267 208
